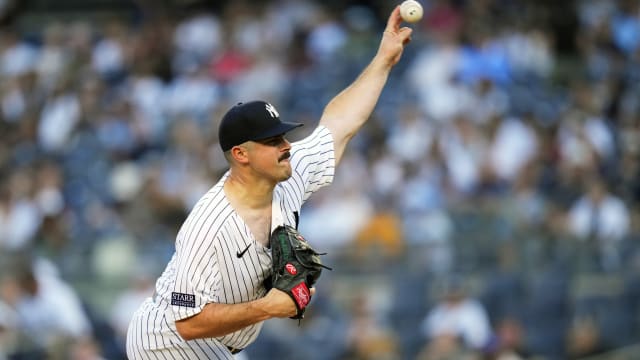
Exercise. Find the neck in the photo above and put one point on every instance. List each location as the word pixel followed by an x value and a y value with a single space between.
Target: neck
pixel 251 192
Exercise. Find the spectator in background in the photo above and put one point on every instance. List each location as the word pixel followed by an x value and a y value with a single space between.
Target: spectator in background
pixel 59 116
pixel 457 316
pixel 510 338
pixel 603 218
pixel 512 148
pixel 8 326
pixel 192 94
pixel 48 312
pixel 85 349
pixel 54 55
pixel 20 217
pixel 368 336
pixel 18 57
pixel 196 38
pixel 625 27
pixel 464 148
pixel 381 237
pixel 584 339
pixel 334 218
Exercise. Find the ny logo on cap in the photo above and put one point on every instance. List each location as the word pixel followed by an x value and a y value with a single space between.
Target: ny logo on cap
pixel 272 110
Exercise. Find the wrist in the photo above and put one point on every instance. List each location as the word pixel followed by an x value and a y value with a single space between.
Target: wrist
pixel 261 307
pixel 381 62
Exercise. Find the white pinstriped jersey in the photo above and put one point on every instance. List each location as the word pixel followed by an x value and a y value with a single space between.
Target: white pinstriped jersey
pixel 207 266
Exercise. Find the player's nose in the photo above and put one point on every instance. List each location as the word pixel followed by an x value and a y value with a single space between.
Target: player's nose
pixel 285 145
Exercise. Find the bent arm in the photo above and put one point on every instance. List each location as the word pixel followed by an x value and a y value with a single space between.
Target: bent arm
pixel 350 109
pixel 217 320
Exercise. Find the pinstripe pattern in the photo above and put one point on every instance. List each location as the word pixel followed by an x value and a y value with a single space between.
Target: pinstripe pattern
pixel 206 266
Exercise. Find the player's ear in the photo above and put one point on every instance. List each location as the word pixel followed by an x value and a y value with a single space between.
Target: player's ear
pixel 240 154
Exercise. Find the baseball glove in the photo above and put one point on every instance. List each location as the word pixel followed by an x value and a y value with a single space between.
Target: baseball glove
pixel 296 266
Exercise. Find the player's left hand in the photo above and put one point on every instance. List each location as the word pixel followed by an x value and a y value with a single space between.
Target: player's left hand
pixel 281 305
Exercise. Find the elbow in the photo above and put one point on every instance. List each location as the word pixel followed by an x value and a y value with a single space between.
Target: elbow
pixel 185 331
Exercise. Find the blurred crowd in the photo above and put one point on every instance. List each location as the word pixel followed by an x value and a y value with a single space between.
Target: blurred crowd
pixel 488 210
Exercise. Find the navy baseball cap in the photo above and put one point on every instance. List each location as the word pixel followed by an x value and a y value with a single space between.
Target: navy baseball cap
pixel 251 121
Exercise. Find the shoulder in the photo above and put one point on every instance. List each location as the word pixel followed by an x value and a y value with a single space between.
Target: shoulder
pixel 317 147
pixel 210 213
pixel 215 196
pixel 320 135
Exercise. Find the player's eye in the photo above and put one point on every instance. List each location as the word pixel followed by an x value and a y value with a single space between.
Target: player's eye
pixel 272 141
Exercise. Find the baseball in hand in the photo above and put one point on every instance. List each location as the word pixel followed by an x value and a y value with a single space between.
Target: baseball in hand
pixel 411 11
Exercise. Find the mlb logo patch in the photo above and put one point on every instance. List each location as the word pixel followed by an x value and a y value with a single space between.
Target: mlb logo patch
pixel 180 299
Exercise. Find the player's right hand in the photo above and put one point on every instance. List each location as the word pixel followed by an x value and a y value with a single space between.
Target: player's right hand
pixel 394 38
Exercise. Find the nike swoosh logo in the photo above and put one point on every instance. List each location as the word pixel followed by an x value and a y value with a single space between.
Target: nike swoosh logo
pixel 239 254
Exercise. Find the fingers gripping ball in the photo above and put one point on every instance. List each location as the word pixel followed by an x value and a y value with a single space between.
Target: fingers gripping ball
pixel 411 11
pixel 296 266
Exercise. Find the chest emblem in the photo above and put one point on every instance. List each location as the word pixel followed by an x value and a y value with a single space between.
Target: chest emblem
pixel 239 254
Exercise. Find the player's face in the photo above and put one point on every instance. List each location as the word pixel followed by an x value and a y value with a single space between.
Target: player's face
pixel 270 157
